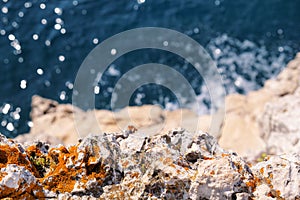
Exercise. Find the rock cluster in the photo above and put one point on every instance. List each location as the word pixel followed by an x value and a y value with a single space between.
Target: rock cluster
pixel 129 165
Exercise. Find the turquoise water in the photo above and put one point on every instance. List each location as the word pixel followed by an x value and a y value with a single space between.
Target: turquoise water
pixel 43 43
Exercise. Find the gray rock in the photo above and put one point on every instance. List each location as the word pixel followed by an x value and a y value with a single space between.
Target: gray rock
pixel 17 179
pixel 280 125
pixel 221 177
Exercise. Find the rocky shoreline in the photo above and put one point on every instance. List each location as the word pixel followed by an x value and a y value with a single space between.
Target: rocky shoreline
pixel 158 154
pixel 252 124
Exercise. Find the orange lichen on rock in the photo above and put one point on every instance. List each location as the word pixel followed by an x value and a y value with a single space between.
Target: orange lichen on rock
pixel 135 175
pixel 68 170
pixel 275 194
pixel 57 169
pixel 60 178
pixel 12 155
pixel 261 170
pixel 253 183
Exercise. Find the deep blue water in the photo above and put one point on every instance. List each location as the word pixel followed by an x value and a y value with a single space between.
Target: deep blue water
pixel 43 43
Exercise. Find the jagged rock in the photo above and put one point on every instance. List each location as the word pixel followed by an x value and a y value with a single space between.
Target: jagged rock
pixel 279 177
pixel 174 165
pixel 13 179
pixel 18 175
pixel 161 169
pixel 221 178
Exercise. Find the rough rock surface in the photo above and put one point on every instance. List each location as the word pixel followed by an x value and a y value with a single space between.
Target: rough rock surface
pixel 252 122
pixel 130 165
pixel 280 125
pixel 281 174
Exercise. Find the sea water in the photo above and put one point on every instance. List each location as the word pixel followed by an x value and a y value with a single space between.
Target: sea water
pixel 43 43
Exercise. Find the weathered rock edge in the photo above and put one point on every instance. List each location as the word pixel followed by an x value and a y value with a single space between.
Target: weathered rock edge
pixel 175 165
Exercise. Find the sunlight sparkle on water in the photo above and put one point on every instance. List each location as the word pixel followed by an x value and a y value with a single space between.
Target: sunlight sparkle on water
pixel 11 37
pixel 165 43
pixel 47 42
pixel 95 40
pixel 2 32
pixel 15 44
pixel 4 10
pixel 35 36
pixel 39 71
pixel 97 89
pixel 113 52
pixel 6 108
pixel 30 124
pixel 61 58
pixel 280 31
pixel 23 84
pixel 57 26
pixel 75 3
pixel 10 126
pixel 15 24
pixel 140 1
pixel 63 31
pixel 21 60
pixel 58 11
pixel 42 6
pixel 44 21
pixel 27 4
pixel 62 95
pixel 69 85
pixel 21 14
pixel 59 21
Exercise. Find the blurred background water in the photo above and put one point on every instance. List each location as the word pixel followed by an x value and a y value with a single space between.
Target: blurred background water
pixel 43 43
